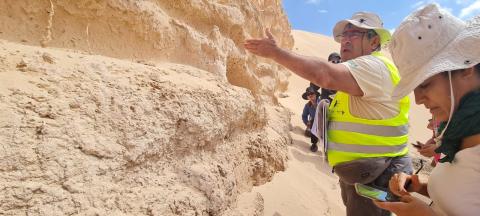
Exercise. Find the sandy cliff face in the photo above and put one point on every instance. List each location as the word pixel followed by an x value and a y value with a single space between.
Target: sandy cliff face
pixel 205 34
pixel 137 107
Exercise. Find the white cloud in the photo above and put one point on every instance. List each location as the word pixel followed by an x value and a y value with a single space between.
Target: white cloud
pixel 392 30
pixel 468 11
pixel 322 11
pixel 418 4
pixel 312 1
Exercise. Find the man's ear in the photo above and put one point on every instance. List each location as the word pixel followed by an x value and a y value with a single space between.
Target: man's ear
pixel 375 42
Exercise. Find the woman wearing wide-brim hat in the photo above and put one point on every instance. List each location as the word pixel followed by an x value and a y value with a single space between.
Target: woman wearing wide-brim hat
pixel 308 115
pixel 438 56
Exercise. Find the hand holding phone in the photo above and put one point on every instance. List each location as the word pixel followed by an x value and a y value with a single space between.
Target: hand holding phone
pixel 374 193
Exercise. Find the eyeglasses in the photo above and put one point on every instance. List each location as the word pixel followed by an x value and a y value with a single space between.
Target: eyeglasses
pixel 335 61
pixel 350 34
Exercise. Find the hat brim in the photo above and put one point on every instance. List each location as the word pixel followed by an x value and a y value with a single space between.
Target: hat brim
pixel 384 34
pixel 305 95
pixel 462 52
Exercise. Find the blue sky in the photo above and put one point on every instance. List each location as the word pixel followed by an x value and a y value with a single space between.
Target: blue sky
pixel 321 15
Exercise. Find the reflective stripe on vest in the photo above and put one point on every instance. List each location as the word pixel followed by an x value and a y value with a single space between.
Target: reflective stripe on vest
pixel 378 130
pixel 352 138
pixel 369 149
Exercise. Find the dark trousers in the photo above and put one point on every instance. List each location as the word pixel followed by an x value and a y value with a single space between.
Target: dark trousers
pixel 313 139
pixel 361 206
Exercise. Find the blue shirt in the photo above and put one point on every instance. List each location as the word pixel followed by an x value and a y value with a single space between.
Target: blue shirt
pixel 308 112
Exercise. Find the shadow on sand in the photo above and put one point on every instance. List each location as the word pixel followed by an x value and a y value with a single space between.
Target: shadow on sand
pixel 299 131
pixel 301 151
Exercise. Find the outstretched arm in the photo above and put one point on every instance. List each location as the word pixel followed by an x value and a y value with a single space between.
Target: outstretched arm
pixel 318 71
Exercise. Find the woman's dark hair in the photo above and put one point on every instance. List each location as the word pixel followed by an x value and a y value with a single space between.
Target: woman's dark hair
pixel 476 67
pixel 372 33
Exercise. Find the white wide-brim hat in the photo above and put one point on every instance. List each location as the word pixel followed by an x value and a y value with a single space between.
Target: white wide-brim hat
pixel 365 20
pixel 431 41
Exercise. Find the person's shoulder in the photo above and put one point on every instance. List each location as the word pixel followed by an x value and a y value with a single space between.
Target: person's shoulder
pixel 370 60
pixel 366 63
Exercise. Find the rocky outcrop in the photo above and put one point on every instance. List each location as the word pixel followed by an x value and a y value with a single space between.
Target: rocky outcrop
pixel 137 107
pixel 205 34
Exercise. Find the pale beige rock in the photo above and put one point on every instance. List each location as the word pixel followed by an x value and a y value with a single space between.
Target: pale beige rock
pixel 205 34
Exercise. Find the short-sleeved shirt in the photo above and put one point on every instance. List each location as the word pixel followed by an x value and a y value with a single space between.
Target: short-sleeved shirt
pixel 373 77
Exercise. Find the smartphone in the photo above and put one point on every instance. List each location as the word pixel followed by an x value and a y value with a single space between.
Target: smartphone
pixel 374 193
pixel 418 145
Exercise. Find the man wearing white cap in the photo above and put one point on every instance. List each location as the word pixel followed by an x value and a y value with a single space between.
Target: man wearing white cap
pixel 368 130
pixel 438 56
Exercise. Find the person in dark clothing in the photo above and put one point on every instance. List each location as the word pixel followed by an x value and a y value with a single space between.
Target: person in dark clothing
pixel 334 58
pixel 326 93
pixel 308 115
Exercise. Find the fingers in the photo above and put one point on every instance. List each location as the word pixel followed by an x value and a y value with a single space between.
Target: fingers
pixel 265 47
pixel 390 206
pixel 415 179
pixel 407 206
pixel 406 199
pixel 253 41
pixel 430 141
pixel 383 205
pixel 427 150
pixel 416 185
pixel 397 184
pixel 269 34
pixel 253 51
pixel 251 45
pixel 395 206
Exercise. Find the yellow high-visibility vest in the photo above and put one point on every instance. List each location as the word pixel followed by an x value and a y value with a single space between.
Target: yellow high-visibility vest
pixel 351 138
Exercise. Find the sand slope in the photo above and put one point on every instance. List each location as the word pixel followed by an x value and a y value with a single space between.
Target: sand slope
pixel 307 187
